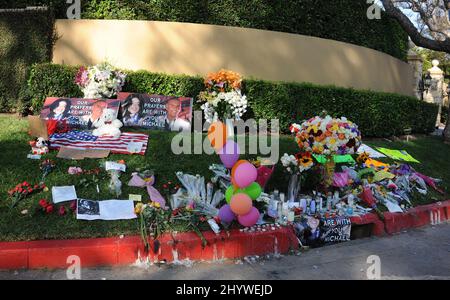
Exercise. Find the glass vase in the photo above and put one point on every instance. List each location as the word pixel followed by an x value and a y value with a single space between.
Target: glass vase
pixel 230 128
pixel 293 187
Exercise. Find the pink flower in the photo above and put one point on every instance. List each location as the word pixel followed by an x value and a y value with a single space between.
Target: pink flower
pixel 75 170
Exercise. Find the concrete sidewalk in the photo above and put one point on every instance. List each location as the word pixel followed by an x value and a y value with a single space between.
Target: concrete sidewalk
pixel 417 254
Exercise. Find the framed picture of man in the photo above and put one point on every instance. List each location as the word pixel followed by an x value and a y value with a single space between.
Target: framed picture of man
pixel 79 113
pixel 156 112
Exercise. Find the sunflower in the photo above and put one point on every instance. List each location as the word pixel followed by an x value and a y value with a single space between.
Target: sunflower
pixel 305 161
pixel 363 157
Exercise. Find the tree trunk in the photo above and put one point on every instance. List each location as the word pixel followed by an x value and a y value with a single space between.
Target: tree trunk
pixel 447 130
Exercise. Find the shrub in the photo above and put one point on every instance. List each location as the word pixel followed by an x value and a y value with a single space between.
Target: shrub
pixel 377 114
pixel 26 37
pixel 341 20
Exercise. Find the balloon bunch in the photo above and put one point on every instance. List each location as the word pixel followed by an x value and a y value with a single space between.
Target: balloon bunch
pixel 243 190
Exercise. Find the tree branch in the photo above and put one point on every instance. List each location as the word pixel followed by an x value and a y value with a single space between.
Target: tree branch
pixel 412 31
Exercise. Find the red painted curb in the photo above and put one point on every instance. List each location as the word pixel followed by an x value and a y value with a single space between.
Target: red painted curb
pixel 124 251
pixel 370 219
pixel 416 217
pixel 181 246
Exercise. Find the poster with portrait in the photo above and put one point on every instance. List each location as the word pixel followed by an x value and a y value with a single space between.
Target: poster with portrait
pixel 168 113
pixel 79 113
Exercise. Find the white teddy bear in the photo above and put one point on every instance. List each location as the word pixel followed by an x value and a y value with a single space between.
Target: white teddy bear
pixel 108 125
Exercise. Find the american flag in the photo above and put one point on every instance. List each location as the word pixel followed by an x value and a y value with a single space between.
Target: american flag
pixel 84 141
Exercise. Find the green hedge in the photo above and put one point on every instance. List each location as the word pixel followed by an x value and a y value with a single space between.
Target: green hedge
pixel 341 20
pixel 377 114
pixel 25 38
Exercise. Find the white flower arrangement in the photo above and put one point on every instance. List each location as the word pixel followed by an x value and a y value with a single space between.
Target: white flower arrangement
pixel 224 105
pixel 223 98
pixel 100 81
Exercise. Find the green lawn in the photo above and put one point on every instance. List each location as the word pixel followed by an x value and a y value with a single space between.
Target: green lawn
pixel 36 225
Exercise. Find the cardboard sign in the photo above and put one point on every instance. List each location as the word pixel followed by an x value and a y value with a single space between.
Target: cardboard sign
pixel 156 112
pixel 79 113
pixel 77 154
pixel 335 230
pixel 38 127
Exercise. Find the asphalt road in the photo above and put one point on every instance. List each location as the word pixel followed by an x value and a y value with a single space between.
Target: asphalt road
pixel 416 254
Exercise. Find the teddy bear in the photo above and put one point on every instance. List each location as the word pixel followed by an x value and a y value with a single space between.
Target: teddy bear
pixel 108 125
pixel 39 146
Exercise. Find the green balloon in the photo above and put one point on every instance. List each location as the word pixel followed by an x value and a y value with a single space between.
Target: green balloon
pixel 253 190
pixel 229 193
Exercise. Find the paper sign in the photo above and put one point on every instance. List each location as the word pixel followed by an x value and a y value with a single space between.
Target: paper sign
pixel 110 165
pixel 63 193
pixel 38 127
pixel 339 159
pixel 135 147
pixel 105 210
pixel 393 207
pixel 369 150
pixel 382 175
pixel 73 153
pixel 136 198
pixel 33 156
pixel 398 155
pixel 336 230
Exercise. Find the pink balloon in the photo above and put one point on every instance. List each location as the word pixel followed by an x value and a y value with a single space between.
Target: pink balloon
pixel 225 214
pixel 249 219
pixel 241 204
pixel 245 175
pixel 229 154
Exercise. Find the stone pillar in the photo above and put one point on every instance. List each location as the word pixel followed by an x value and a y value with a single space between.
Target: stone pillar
pixel 435 93
pixel 416 62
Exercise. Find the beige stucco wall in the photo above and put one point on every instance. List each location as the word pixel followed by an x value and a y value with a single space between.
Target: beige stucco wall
pixel 195 49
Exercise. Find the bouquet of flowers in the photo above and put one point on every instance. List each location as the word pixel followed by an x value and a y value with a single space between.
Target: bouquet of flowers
pixel 326 135
pixel 100 81
pixel 223 98
pixel 298 163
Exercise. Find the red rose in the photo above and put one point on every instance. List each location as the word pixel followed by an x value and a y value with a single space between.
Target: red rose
pixel 43 203
pixel 165 186
pixel 30 190
pixel 73 205
pixel 202 219
pixel 49 209
pixel 62 211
